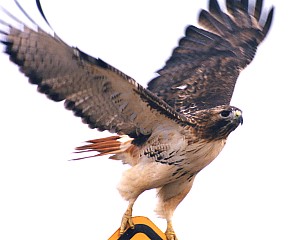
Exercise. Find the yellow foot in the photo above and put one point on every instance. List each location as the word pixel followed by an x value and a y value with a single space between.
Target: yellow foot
pixel 170 234
pixel 126 221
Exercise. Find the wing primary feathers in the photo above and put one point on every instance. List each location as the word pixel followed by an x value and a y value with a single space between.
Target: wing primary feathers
pixel 203 69
pixel 12 55
pixel 24 12
pixel 2 32
pixel 206 64
pixel 245 5
pixel 214 6
pixel 85 84
pixel 230 4
pixel 199 33
pixel 195 38
pixel 207 20
pixel 11 16
pixel 268 23
pixel 38 4
pixel 258 9
pixel 215 9
pixel 39 7
pixel 47 90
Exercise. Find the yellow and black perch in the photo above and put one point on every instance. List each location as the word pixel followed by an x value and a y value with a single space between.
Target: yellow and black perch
pixel 144 229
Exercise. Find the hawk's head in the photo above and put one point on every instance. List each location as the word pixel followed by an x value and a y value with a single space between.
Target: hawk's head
pixel 218 122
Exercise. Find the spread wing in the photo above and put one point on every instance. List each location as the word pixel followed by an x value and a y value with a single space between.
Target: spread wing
pixel 101 95
pixel 203 69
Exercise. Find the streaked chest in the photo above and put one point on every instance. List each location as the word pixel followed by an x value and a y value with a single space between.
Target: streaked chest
pixel 195 157
pixel 201 153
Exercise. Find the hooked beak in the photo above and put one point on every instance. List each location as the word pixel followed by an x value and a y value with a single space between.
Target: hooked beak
pixel 238 116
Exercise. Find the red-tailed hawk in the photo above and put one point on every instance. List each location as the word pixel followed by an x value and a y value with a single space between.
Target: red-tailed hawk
pixel 167 132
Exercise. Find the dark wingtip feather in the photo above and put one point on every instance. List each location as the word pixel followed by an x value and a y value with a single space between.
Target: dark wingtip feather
pixel 258 9
pixel 215 9
pixel 47 90
pixel 230 4
pixel 55 97
pixel 12 54
pixel 212 23
pixel 245 5
pixel 268 22
pixel 33 77
pixel 3 33
pixel 214 6
pixel 8 46
pixel 202 14
pixel 70 105
pixel 44 89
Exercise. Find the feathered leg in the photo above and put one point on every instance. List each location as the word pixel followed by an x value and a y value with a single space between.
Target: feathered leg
pixel 170 196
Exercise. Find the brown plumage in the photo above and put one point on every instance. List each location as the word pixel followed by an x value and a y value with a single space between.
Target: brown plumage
pixel 168 132
pixel 203 69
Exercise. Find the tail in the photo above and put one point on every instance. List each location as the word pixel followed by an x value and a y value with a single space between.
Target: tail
pixel 103 146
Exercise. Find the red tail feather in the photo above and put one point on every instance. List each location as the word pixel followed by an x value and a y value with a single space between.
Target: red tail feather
pixel 108 145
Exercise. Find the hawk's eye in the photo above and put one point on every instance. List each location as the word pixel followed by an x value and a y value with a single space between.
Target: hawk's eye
pixel 225 113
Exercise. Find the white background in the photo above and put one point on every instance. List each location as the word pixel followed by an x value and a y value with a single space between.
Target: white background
pixel 248 192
